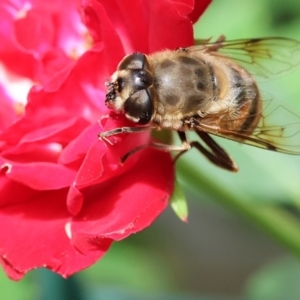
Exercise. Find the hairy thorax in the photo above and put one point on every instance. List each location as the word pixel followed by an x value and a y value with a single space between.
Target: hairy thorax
pixel 198 86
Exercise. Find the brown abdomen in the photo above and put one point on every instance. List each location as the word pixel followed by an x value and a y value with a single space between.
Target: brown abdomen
pixel 245 104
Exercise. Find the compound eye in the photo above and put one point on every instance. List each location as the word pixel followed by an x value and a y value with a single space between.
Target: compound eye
pixel 141 79
pixel 132 61
pixel 139 107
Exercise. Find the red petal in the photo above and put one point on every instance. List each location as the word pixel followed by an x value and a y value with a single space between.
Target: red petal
pixel 130 202
pixel 74 92
pixel 102 29
pixel 8 113
pixel 102 161
pixel 80 145
pixel 38 27
pixel 13 192
pixel 46 220
pixel 38 176
pixel 74 200
pixel 54 29
pixel 41 138
pixel 200 7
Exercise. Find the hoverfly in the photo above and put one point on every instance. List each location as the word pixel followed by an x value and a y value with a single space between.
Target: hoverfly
pixel 210 88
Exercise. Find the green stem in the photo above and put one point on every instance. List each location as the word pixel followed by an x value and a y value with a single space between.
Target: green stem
pixel 275 221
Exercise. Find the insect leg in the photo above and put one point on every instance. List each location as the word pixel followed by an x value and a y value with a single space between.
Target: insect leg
pixel 122 130
pixel 104 135
pixel 218 156
pixel 125 157
pixel 185 148
pixel 159 146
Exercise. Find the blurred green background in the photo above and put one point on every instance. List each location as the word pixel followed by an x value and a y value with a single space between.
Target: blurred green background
pixel 242 240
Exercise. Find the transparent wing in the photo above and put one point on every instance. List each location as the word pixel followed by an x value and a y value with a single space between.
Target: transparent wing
pixel 264 57
pixel 277 130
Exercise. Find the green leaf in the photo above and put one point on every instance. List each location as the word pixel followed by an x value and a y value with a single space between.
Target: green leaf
pixel 178 202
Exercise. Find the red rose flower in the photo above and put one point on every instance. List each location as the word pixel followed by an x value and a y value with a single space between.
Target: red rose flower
pixel 65 196
pixel 39 37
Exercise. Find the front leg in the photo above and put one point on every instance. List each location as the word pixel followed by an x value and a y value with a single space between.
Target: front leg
pixel 104 135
